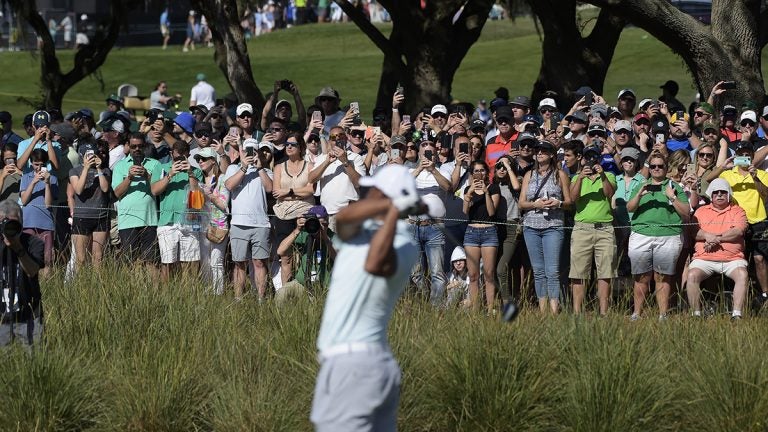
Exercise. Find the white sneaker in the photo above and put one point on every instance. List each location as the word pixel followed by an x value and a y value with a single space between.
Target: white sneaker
pixel 634 317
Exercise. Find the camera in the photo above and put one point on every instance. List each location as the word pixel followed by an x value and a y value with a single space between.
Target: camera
pixel 285 84
pixel 311 224
pixel 10 227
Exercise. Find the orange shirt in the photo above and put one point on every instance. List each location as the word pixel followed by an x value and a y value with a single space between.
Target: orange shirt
pixel 716 221
pixel 496 149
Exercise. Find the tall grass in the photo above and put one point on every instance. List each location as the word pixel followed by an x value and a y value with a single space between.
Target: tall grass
pixel 122 354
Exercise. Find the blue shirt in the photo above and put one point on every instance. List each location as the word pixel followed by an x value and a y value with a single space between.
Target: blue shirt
pixel 674 145
pixel 42 144
pixel 36 214
pixel 359 305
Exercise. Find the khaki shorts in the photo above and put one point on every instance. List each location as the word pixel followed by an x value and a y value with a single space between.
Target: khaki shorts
pixel 711 267
pixel 593 242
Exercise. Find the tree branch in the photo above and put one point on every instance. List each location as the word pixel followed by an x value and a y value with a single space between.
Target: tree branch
pixel 467 29
pixel 378 39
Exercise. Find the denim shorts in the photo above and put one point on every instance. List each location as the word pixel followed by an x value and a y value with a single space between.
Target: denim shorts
pixel 481 237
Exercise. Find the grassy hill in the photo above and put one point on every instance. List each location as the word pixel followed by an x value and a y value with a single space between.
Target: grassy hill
pixel 507 54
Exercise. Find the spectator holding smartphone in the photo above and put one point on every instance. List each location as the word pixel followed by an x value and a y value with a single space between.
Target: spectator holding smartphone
pixel 481 240
pixel 38 189
pixel 10 175
pixel 214 241
pixel 658 208
pixel 508 210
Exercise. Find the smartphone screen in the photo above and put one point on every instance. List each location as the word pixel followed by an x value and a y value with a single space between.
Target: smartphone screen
pixel 588 99
pixel 653 188
pixel 317 116
pixel 233 131
pixel 395 153
pixel 660 138
pixel 428 154
pixel 377 130
pixel 250 151
pixel 728 85
pixel 406 118
pixel 691 168
pixel 368 133
pixel 463 147
pixel 354 106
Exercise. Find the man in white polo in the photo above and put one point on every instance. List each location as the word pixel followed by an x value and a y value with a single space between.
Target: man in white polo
pixel 358 385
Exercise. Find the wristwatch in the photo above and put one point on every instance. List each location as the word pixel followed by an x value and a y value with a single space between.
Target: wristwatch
pixel 244 169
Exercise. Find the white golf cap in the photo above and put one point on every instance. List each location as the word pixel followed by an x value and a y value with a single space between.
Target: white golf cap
pixel 397 183
pixel 748 115
pixel 625 91
pixel 439 109
pixel 719 184
pixel 643 103
pixel 547 102
pixel 244 107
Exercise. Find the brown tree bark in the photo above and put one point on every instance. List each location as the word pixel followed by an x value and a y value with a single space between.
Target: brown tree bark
pixel 53 82
pixel 425 48
pixel 570 60
pixel 231 51
pixel 727 49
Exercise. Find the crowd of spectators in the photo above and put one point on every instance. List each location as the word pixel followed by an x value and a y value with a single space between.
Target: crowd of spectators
pixel 646 192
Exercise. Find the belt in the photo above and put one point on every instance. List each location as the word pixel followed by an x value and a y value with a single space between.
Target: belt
pixel 351 348
pixel 424 222
pixel 597 225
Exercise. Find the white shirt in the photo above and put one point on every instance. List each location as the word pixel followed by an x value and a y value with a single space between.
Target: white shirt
pixel 115 155
pixel 336 189
pixel 359 305
pixel 454 202
pixel 249 199
pixel 430 191
pixel 203 94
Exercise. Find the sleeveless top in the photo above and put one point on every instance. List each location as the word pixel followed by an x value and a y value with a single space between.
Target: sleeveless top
pixel 543 218
pixel 294 208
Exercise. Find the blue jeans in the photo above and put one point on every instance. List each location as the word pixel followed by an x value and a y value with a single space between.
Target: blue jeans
pixel 431 242
pixel 544 247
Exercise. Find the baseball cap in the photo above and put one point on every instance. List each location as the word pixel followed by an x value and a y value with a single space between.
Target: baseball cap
pixel 86 112
pixel 671 86
pixel 765 111
pixel 497 102
pixel 477 124
pixel 203 126
pixel 397 140
pixel 397 184
pixel 243 108
pixel 622 125
pixel 264 144
pixel 547 146
pixel 599 110
pixel 719 184
pixel 41 118
pixel 641 116
pixel 629 152
pixel 115 99
pixel 614 112
pixel 317 211
pixel 709 125
pixel 282 102
pixel 185 122
pixel 439 109
pixel 582 91
pixel 5 117
pixel 532 118
pixel 596 127
pixel 748 115
pixel 625 92
pixel 504 112
pixel 706 107
pixel 579 116
pixel 202 108
pixel 65 130
pixel 329 92
pixel 200 77
pixel 526 136
pixel 548 103
pixel 113 124
pixel 206 153
pixel 660 125
pixel 521 101
pixel 741 145
pixel 85 147
pixel 644 103
pixel 729 110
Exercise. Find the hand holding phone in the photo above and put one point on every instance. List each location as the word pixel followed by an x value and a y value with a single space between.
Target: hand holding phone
pixel 728 85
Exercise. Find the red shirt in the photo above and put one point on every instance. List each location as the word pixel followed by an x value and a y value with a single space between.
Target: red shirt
pixel 496 149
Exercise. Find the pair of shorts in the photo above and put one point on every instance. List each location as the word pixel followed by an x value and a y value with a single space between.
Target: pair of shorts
pixel 756 238
pixel 654 253
pixel 481 236
pixel 593 241
pixel 139 243
pixel 47 237
pixel 283 228
pixel 178 243
pixel 88 226
pixel 357 392
pixel 249 243
pixel 720 267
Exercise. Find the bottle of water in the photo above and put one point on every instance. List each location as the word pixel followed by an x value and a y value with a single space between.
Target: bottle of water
pixel 314 274
pixel 544 211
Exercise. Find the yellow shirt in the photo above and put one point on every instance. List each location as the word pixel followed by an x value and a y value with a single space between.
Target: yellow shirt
pixel 745 193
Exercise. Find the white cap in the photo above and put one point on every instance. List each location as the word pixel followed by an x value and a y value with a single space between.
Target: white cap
pixel 719 184
pixel 192 12
pixel 243 107
pixel 622 125
pixel 765 111
pixel 458 254
pixel 83 17
pixel 281 102
pixel 250 142
pixel 748 115
pixel 643 102
pixel 439 109
pixel 622 92
pixel 397 183
pixel 547 102
pixel 266 144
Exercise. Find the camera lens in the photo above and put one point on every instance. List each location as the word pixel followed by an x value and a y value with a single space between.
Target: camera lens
pixel 312 225
pixel 10 227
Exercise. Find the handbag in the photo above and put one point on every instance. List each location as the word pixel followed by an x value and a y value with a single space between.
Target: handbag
pixel 215 234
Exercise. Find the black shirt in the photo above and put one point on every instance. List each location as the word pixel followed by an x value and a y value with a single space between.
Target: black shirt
pixel 27 288
pixel 478 211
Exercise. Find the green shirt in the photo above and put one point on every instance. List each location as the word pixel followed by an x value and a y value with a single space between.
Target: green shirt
pixel 137 208
pixel 173 200
pixel 304 242
pixel 593 206
pixel 655 210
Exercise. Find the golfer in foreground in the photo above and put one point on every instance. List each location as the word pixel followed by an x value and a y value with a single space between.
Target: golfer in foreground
pixel 358 386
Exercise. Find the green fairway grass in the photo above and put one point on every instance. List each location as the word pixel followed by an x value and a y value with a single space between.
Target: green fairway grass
pixel 507 54
pixel 122 355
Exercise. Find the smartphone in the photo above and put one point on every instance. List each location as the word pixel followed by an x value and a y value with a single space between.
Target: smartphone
pixel 463 147
pixel 461 109
pixel 368 133
pixel 43 169
pixel 377 130
pixel 588 99
pixel 742 161
pixel 235 132
pixel 406 118
pixel 653 188
pixel 428 154
pixel 660 138
pixel 477 176
pixel 691 168
pixel 89 153
pixel 728 85
pixel 355 107
pixel 179 159
pixel 680 115
pixel 395 153
pixel 341 143
pixel 317 116
pixel 400 89
pixel 250 151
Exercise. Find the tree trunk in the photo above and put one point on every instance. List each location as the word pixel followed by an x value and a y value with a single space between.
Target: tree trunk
pixel 586 59
pixel 426 46
pixel 231 53
pixel 55 84
pixel 728 49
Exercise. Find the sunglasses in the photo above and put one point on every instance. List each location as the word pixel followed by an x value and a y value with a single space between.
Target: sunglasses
pixel 326 99
pixel 502 121
pixel 203 159
pixel 654 166
pixel 719 192
pixel 245 115
pixel 202 134
pixel 501 167
pixel 700 114
pixel 215 116
pixel 410 147
pixel 439 115
pixel 357 134
pixel 334 137
pixel 478 171
pixel 546 110
pixel 526 146
pixel 313 141
pixel 135 146
pixel 625 160
pixel 643 123
pixel 706 155
pixel 621 132
pixel 710 132
pixel 748 123
pixel 596 134
pixel 291 144
pixel 277 129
